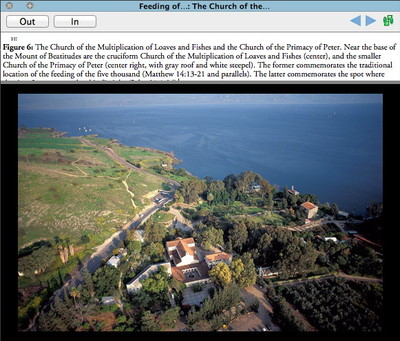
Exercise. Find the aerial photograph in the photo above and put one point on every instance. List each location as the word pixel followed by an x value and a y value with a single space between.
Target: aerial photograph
pixel 198 212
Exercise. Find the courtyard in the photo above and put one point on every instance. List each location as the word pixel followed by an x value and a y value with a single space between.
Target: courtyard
pixel 196 298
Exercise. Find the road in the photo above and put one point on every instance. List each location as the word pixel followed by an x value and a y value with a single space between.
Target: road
pixel 105 250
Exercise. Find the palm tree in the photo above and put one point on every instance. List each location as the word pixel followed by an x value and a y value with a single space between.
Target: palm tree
pixel 74 293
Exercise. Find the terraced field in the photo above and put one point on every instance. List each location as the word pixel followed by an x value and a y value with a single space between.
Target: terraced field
pixel 69 189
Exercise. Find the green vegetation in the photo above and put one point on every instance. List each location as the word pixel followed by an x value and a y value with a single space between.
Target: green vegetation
pixel 210 316
pixel 147 310
pixel 46 139
pixel 70 192
pixel 241 271
pixel 163 217
pixel 36 262
pixel 72 197
pixel 68 188
pixel 339 305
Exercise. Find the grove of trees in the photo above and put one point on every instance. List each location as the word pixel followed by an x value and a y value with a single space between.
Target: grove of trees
pixel 336 304
pixel 37 261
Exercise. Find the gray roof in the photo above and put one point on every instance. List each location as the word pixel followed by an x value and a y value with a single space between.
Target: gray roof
pixel 135 284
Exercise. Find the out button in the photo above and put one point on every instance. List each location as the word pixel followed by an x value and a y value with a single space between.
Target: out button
pixel 30 21
pixel 72 21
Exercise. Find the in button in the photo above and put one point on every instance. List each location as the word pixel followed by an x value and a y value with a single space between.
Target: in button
pixel 78 21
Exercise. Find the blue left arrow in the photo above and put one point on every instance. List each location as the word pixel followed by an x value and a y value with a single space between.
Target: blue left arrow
pixel 356 20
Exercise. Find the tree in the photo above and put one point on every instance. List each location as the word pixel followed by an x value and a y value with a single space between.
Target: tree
pixel 210 197
pixel 88 288
pixel 284 203
pixel 157 282
pixel 335 208
pixel 230 182
pixel 149 323
pixel 169 318
pixel 202 326
pixel 105 280
pixel 209 236
pixel 375 209
pixel 265 248
pixel 209 315
pixel 155 251
pixel 221 274
pixel 292 199
pixel 36 262
pixel 296 258
pixel 248 276
pixel 238 236
pixel 85 239
pixel 191 189
pixel 237 269
pixel 153 232
pixel 74 293
pixel 269 201
pixel 134 247
pixel 60 317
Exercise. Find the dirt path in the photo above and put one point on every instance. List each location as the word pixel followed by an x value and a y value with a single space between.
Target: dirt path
pixel 262 318
pixel 309 326
pixel 128 190
pixel 113 155
pixel 181 222
pixel 83 172
pixel 360 278
pixel 48 171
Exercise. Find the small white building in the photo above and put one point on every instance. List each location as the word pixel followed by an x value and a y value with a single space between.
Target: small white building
pixel 107 300
pixel 342 215
pixel 256 188
pixel 267 272
pixel 293 191
pixel 334 239
pixel 114 261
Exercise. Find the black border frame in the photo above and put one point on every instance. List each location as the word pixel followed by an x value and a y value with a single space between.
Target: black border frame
pixel 9 178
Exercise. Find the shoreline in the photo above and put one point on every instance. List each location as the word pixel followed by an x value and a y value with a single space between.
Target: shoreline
pixel 176 161
pixel 361 211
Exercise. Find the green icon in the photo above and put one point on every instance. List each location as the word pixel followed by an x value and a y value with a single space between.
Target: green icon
pixel 388 20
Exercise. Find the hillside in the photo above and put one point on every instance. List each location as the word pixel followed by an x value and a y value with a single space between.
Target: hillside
pixel 69 189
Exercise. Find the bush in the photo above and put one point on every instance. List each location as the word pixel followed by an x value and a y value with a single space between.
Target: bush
pixel 85 239
pixel 197 287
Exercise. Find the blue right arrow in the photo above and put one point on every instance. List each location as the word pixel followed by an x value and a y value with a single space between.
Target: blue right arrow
pixel 356 20
pixel 369 20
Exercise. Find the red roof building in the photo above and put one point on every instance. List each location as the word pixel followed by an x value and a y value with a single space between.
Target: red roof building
pixel 310 209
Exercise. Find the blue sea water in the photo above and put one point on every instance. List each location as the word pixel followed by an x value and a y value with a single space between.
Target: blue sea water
pixel 331 150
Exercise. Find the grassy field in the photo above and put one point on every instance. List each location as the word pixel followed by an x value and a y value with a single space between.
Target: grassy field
pixel 163 217
pixel 67 189
pixel 156 162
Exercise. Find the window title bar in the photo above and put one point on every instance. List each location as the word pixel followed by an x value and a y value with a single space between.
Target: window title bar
pixel 198 6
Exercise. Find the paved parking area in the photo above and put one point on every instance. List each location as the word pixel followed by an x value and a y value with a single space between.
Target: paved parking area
pixel 196 298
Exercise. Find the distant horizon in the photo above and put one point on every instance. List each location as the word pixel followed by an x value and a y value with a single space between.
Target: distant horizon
pixel 337 157
pixel 86 101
